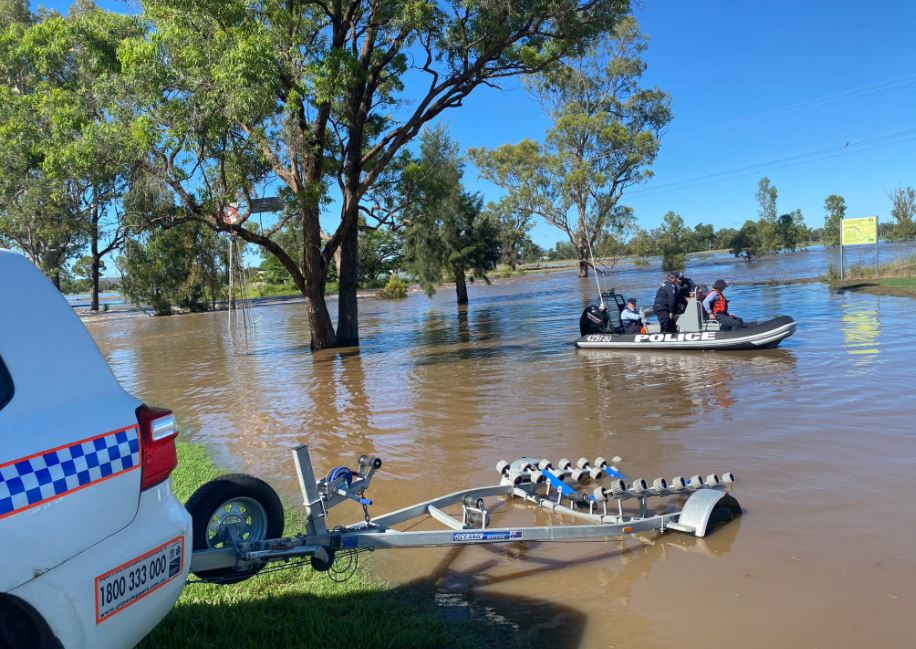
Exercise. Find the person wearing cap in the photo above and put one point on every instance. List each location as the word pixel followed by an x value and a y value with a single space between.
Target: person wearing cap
pixel 716 306
pixel 665 305
pixel 630 318
pixel 685 286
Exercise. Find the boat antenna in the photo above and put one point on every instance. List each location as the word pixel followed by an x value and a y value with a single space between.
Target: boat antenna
pixel 591 255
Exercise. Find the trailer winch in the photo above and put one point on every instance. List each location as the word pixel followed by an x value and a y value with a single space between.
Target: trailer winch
pixel 238 519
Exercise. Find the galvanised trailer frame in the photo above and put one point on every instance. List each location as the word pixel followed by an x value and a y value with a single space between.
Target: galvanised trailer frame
pixel 232 547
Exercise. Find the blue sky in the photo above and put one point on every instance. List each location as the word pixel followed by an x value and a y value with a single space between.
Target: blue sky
pixel 751 83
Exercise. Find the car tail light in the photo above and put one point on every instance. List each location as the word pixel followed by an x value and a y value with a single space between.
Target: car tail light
pixel 158 457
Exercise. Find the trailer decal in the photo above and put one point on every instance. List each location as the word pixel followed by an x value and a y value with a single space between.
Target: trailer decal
pixel 499 535
pixel 36 479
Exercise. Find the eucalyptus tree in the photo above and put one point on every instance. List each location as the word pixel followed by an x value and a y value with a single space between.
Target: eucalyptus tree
pixel 604 137
pixel 513 225
pixel 306 95
pixel 67 159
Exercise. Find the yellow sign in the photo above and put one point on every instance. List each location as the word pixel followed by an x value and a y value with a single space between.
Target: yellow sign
pixel 857 231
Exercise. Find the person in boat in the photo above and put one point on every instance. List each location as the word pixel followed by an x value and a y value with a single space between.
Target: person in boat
pixel 685 286
pixel 631 319
pixel 716 306
pixel 665 305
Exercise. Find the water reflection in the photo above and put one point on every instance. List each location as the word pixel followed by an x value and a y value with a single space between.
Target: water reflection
pixel 684 384
pixel 861 330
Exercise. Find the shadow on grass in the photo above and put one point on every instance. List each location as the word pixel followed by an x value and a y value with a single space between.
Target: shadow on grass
pixel 299 608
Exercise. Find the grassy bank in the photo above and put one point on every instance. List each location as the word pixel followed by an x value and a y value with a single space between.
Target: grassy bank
pixel 299 607
pixel 895 278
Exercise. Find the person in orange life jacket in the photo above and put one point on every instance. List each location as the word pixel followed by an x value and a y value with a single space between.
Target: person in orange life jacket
pixel 630 318
pixel 665 305
pixel 716 306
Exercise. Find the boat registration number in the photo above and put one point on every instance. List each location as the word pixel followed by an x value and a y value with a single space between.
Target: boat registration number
pixel 132 581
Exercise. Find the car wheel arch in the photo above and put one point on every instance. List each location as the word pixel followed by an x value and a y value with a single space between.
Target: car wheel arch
pixel 21 626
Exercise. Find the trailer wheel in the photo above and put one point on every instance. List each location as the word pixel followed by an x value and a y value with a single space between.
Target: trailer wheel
pixel 721 513
pixel 244 502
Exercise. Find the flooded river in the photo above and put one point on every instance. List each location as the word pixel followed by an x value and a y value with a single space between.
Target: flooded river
pixel 819 433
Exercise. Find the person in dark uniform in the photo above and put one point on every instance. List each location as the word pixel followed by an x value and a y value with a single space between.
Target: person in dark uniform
pixel 665 305
pixel 685 286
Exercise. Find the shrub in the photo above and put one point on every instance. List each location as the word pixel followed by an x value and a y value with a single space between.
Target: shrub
pixel 395 289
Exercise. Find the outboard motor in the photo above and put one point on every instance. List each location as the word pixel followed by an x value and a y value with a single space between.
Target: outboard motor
pixel 593 321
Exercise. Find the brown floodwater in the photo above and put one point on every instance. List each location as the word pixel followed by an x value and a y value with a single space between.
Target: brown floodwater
pixel 819 432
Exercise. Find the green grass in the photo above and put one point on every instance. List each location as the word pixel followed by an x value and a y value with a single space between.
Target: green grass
pixel 300 607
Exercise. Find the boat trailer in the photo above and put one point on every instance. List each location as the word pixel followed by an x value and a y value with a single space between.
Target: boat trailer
pixel 235 517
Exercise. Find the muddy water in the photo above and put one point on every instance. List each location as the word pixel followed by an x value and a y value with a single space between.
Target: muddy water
pixel 819 433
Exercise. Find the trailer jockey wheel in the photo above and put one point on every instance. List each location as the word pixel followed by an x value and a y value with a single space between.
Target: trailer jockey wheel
pixel 322 566
pixel 247 506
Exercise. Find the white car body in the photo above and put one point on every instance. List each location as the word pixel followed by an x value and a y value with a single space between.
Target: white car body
pixel 75 517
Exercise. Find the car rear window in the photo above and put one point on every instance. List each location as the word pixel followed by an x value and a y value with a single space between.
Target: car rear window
pixel 6 386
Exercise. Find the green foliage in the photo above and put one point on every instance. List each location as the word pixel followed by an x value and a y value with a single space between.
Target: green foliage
pixel 513 225
pixel 835 208
pixel 903 211
pixel 562 250
pixel 673 238
pixel 65 155
pixel 178 266
pixel 746 242
pixel 381 252
pixel 604 136
pixel 395 289
pixel 704 237
pixel 447 231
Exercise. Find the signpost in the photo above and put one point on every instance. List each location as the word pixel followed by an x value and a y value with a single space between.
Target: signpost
pixel 855 232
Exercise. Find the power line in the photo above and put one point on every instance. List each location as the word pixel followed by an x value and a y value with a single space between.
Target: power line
pixel 899 85
pixel 782 163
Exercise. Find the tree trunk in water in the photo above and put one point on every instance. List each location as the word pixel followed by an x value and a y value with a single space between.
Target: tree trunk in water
pixel 582 251
pixel 347 308
pixel 583 262
pixel 461 288
pixel 94 275
pixel 314 274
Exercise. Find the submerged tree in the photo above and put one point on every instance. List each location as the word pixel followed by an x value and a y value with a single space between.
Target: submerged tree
pixel 835 208
pixel 746 242
pixel 314 93
pixel 180 266
pixel 767 235
pixel 513 225
pixel 447 231
pixel 904 212
pixel 673 238
pixel 604 137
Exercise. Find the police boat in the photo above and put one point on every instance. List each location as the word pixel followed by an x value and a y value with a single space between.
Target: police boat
pixel 603 329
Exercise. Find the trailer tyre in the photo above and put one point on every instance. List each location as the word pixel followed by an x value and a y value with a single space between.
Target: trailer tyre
pixel 247 504
pixel 721 514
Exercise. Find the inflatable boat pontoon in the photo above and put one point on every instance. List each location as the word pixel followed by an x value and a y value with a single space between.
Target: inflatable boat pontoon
pixel 695 331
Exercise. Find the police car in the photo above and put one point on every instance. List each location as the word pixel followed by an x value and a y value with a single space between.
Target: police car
pixel 96 548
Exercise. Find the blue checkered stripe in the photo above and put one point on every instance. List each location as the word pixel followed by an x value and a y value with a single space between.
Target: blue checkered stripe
pixel 28 482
